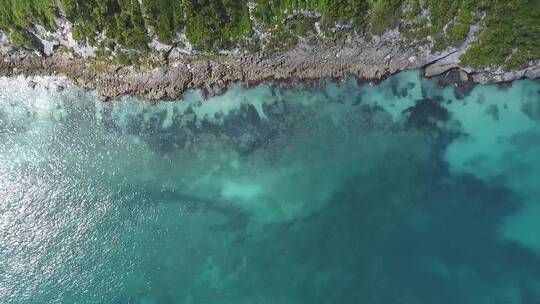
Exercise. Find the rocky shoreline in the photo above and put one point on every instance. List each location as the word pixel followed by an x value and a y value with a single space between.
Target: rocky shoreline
pixel 173 77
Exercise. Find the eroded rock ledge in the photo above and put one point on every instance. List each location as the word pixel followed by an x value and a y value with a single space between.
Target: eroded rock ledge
pixel 213 74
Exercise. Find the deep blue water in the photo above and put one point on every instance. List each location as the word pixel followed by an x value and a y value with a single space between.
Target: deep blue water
pixel 401 192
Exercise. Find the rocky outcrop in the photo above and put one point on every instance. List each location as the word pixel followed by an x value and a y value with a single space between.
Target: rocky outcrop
pixel 180 70
pixel 442 65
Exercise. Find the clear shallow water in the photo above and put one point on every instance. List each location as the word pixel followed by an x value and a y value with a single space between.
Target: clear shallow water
pixel 395 193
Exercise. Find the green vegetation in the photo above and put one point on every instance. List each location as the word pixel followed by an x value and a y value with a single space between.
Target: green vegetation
pixel 456 15
pixel 216 24
pixel 121 20
pixel 511 35
pixel 22 38
pixel 508 34
pixel 16 16
pixel 166 17
pixel 20 14
pixel 273 12
pixel 386 14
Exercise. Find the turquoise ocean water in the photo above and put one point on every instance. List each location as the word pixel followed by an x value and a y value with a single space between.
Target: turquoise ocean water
pixel 401 192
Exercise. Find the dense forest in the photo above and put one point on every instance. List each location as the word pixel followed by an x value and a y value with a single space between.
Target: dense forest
pixel 509 32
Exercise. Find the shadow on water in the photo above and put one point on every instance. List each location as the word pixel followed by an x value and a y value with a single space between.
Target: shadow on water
pixel 441 246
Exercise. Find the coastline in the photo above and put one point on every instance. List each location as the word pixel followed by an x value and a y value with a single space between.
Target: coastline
pixel 212 74
pixel 304 46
